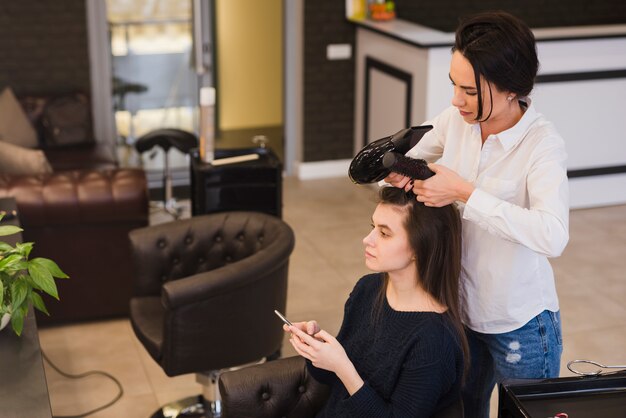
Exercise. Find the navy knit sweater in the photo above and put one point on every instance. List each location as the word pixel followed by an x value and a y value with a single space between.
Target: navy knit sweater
pixel 411 362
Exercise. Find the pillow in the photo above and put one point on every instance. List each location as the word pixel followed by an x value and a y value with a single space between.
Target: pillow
pixel 15 127
pixel 18 160
pixel 66 120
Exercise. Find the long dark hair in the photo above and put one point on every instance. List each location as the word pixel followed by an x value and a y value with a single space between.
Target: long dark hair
pixel 435 238
pixel 502 49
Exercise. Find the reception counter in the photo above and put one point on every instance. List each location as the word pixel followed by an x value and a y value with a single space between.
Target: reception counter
pixel 402 79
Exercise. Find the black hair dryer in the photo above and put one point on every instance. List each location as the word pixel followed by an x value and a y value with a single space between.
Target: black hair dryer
pixel 377 159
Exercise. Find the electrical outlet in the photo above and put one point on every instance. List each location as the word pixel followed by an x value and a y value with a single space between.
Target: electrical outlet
pixel 338 51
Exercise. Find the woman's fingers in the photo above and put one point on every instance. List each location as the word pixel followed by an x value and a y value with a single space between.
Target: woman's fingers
pixel 300 348
pixel 312 328
pixel 324 336
pixel 397 180
pixel 306 338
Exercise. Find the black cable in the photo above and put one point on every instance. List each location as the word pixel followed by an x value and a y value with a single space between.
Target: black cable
pixel 80 376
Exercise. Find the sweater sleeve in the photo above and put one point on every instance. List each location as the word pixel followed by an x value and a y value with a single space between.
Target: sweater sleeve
pixel 324 376
pixel 428 373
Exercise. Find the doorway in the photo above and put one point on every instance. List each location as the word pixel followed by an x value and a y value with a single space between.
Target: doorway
pixel 126 37
pixel 153 82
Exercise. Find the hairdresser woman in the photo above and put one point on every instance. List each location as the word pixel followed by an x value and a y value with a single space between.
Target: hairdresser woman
pixel 504 164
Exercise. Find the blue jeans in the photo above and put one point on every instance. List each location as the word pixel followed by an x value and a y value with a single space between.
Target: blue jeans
pixel 530 352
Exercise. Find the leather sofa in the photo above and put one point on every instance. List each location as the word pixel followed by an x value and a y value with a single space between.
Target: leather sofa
pixel 81 220
pixel 80 216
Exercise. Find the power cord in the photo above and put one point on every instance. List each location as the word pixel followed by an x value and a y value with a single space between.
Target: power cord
pixel 80 376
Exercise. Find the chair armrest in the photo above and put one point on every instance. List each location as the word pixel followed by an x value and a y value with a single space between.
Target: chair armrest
pixel 280 388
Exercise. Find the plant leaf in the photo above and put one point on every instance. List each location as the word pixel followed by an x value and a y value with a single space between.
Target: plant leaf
pixel 38 302
pixel 51 266
pixel 1 292
pixel 42 278
pixel 10 261
pixel 4 247
pixel 19 291
pixel 24 248
pixel 17 319
pixel 9 230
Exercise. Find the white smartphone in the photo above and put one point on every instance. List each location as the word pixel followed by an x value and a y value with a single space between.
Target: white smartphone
pixel 282 317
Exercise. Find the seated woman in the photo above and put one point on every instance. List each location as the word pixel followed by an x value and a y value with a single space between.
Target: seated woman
pixel 401 350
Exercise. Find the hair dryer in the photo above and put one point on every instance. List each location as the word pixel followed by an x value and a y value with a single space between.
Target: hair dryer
pixel 376 160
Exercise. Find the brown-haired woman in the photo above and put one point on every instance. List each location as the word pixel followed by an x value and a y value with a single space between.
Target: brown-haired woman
pixel 401 347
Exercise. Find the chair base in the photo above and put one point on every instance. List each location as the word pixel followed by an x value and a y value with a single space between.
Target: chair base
pixel 193 406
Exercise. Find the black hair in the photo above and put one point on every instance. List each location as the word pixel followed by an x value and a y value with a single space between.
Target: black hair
pixel 501 48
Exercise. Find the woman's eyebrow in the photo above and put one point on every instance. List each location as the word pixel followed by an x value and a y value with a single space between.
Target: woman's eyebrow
pixel 463 87
pixel 383 226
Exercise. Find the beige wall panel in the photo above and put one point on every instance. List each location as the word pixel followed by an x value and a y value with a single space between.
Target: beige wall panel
pixel 250 63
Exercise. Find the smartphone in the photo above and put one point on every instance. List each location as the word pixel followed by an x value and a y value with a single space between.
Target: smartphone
pixel 282 317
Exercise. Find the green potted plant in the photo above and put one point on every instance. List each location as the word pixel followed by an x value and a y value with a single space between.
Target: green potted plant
pixel 22 280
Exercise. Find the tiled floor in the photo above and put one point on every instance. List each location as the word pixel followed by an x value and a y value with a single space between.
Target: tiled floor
pixel 330 217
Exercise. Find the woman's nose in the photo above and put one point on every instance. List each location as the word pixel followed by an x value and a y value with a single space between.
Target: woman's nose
pixel 457 98
pixel 367 241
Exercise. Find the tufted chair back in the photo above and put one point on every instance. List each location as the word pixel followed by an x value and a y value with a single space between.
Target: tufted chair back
pixel 206 287
pixel 283 388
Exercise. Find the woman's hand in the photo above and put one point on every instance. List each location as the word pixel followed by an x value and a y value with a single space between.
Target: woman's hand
pixel 322 349
pixel 310 327
pixel 325 352
pixel 445 187
pixel 399 181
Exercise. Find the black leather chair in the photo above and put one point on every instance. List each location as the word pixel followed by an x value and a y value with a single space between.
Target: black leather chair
pixel 282 388
pixel 205 292
pixel 166 139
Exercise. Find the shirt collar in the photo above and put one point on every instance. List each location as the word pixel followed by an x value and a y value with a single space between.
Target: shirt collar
pixel 514 134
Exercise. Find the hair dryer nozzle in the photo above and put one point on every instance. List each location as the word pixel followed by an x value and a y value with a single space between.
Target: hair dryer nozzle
pixel 367 166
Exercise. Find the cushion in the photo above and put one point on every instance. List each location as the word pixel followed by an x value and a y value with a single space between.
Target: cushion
pixel 66 121
pixel 15 127
pixel 18 160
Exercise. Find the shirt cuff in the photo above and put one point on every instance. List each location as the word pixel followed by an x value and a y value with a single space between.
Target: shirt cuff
pixel 479 205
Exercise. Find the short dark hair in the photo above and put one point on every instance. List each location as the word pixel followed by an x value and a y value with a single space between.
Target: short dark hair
pixel 502 49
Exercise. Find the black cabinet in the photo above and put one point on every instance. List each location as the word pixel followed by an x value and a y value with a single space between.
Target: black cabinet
pixel 254 185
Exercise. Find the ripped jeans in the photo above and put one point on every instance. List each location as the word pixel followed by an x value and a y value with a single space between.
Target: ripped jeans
pixel 530 352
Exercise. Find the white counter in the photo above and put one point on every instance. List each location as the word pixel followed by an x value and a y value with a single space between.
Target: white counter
pixel 426 37
pixel 402 79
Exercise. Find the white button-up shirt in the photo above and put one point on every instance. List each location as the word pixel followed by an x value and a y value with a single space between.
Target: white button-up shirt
pixel 515 219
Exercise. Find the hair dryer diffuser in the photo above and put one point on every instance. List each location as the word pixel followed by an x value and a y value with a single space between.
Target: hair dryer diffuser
pixel 367 166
